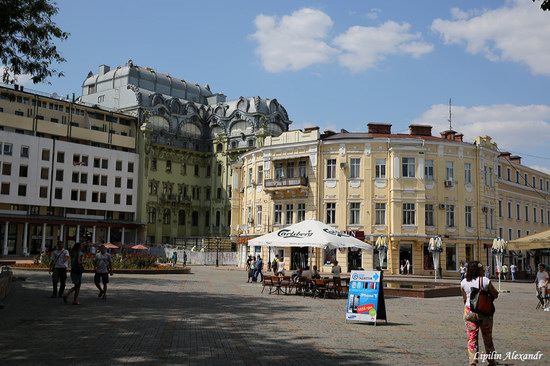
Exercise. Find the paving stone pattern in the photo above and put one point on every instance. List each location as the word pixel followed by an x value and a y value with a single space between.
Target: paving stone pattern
pixel 213 317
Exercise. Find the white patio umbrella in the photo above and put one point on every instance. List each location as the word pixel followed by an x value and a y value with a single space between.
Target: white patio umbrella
pixel 435 247
pixel 309 233
pixel 498 249
pixel 382 246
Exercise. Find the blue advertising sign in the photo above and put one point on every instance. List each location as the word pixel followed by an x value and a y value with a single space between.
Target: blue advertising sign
pixel 364 291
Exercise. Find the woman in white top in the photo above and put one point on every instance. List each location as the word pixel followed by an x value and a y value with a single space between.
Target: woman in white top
pixel 475 322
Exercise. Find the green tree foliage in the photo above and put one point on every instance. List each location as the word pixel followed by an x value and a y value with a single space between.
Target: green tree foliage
pixel 27 39
pixel 545 4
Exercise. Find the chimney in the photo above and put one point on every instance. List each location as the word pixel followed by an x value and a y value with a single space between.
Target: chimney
pixel 505 155
pixel 309 129
pixel 420 130
pixel 459 137
pixel 515 159
pixel 381 128
pixel 103 69
pixel 448 135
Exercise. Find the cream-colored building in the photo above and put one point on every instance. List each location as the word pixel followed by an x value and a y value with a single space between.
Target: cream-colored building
pixel 407 187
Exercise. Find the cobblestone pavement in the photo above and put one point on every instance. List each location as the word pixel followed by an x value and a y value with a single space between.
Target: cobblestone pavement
pixel 213 317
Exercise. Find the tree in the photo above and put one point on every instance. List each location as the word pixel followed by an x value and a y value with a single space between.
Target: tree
pixel 27 40
pixel 545 4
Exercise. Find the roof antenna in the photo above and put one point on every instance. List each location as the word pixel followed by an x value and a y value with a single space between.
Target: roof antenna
pixel 450 116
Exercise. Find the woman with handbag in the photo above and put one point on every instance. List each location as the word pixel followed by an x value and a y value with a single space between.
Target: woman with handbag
pixel 77 268
pixel 480 287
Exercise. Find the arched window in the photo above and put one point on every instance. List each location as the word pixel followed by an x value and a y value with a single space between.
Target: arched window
pixel 181 217
pixel 219 147
pixel 166 216
pixel 218 218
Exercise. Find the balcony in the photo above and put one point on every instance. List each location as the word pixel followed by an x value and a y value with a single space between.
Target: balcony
pixel 285 183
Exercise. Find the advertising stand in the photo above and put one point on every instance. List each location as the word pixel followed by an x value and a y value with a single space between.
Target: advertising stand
pixel 366 297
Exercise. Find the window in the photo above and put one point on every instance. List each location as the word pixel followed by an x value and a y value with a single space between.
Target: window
pixel 331 169
pixel 118 165
pixel 429 170
pixel 24 151
pixel 449 171
pixel 195 218
pixel 526 213
pixel 104 164
pixel 8 149
pixel 6 169
pixel 128 200
pixel 354 212
pixel 249 178
pixel 302 168
pixel 289 214
pixel 450 215
pixel 380 168
pixel 259 215
pixel 508 174
pixel 116 198
pixel 208 169
pixel 22 190
pixel 102 197
pixel 354 168
pixel 169 167
pixel 118 182
pixel 130 167
pixel 510 234
pixel 450 254
pixel 331 212
pixel 153 164
pixel 525 176
pixel 166 216
pixel 380 214
pixel 44 173
pixel 219 193
pixel 534 214
pixel 499 208
pixel 130 183
pixel 82 196
pixel 409 214
pixel 429 215
pixel 290 169
pixel 23 171
pixel 181 217
pixel 43 192
pixel 279 173
pixel 45 154
pixel 60 157
pixel 518 212
pixel 467 173
pixel 407 167
pixel 220 170
pixel 260 175
pixel 5 188
pixel 95 196
pixel 499 173
pixel 208 193
pixel 97 162
pixel 75 177
pixel 277 214
pixel 301 212
pixel 58 193
pixel 196 171
pixel 541 216
pixel 468 216
pixel 152 215
pixel 84 178
pixel 74 195
pixel 509 210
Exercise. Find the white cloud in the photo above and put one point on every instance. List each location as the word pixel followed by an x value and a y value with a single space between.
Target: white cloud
pixel 518 32
pixel 364 47
pixel 519 129
pixel 293 42
pixel 374 13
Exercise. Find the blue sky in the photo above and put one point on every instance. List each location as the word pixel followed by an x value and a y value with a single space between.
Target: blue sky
pixel 339 64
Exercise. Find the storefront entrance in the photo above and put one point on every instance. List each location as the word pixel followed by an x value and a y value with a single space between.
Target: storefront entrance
pixel 354 259
pixel 405 258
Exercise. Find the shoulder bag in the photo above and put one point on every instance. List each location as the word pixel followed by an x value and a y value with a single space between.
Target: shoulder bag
pixel 481 301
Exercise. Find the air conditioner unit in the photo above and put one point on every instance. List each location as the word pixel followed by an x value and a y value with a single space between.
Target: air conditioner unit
pixel 449 183
pixel 442 206
pixel 484 209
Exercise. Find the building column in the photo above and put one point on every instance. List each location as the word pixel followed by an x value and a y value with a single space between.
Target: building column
pixel 93 234
pixel 43 245
pixel 25 239
pixel 62 232
pixel 122 236
pixel 108 234
pixel 5 244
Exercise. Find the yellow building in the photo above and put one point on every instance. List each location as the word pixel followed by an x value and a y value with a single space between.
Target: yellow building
pixel 406 187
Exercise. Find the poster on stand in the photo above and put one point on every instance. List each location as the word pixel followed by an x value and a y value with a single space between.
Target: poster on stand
pixel 364 291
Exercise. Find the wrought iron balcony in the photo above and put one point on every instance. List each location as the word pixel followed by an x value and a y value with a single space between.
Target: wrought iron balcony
pixel 285 183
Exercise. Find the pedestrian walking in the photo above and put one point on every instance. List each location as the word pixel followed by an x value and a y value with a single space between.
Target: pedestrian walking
pixel 174 258
pixel 475 322
pixel 505 272
pixel 462 271
pixel 77 268
pixel 103 268
pixel 488 271
pixel 184 258
pixel 513 270
pixel 251 268
pixel 258 270
pixel 58 268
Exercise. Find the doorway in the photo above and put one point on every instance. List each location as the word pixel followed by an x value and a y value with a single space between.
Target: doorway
pixel 299 257
pixel 354 259
pixel 405 258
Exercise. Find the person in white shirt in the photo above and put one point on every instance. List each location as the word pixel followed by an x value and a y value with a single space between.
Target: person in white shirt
pixel 60 263
pixel 103 268
pixel 513 270
pixel 541 283
pixel 281 266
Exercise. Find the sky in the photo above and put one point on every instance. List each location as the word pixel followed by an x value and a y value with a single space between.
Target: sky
pixel 338 64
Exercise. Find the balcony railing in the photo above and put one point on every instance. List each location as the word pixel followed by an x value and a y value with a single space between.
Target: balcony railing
pixel 297 182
